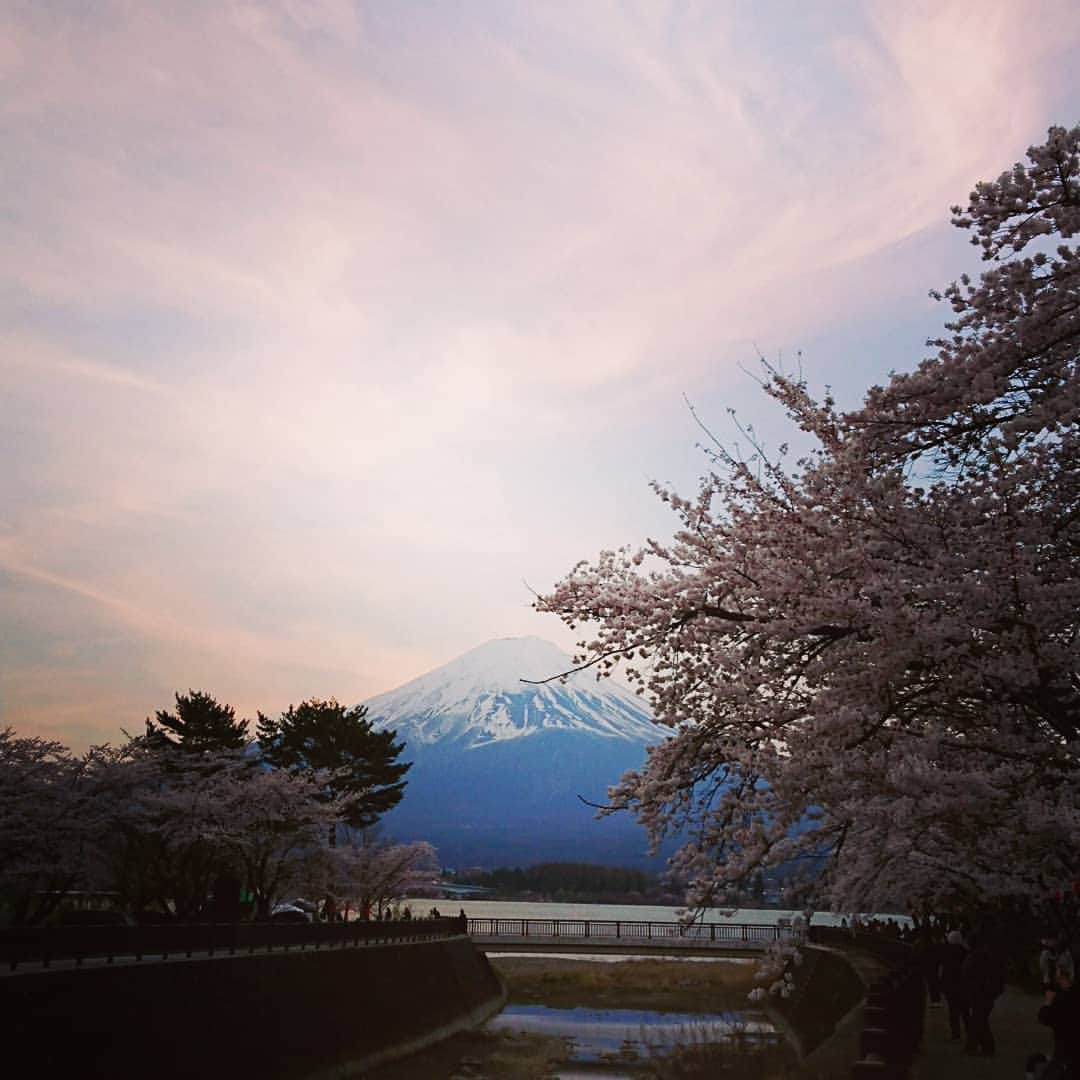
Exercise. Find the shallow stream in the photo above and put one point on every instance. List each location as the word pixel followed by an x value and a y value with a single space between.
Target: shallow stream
pixel 608 1042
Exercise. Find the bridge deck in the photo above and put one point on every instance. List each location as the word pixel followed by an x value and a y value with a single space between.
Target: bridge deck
pixel 610 935
pixel 632 946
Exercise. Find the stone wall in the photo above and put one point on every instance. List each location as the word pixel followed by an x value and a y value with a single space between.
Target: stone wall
pixel 291 1015
pixel 827 988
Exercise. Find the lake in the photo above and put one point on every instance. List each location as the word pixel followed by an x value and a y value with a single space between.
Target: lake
pixel 528 909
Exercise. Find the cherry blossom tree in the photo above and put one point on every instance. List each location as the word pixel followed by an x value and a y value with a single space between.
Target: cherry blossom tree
pixel 274 822
pixel 868 659
pixel 167 814
pixel 47 824
pixel 373 875
pixel 156 825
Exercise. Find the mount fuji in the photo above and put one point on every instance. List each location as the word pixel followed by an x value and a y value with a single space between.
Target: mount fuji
pixel 499 764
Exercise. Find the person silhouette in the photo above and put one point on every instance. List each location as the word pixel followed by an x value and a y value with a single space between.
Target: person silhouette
pixel 982 977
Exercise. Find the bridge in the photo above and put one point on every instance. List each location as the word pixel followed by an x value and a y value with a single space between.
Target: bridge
pixel 26 949
pixel 627 935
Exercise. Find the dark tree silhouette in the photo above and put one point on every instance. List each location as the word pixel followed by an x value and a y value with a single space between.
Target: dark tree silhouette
pixel 200 724
pixel 361 762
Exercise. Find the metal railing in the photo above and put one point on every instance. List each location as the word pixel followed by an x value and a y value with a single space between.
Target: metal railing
pixel 47 945
pixel 606 931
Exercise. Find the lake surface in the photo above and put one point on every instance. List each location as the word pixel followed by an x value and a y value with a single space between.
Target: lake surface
pixel 521 909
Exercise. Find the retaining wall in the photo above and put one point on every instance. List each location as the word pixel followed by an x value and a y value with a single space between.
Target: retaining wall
pixel 827 989
pixel 288 1015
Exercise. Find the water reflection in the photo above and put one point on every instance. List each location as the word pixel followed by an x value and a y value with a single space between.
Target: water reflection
pixel 606 1035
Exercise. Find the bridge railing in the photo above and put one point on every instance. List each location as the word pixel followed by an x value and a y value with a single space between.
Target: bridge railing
pixel 48 944
pixel 607 930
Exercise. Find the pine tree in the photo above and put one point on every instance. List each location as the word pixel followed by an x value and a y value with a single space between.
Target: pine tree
pixel 324 736
pixel 201 724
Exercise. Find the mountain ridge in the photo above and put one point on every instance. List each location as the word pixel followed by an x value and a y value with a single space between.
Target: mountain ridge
pixel 494 692
pixel 504 771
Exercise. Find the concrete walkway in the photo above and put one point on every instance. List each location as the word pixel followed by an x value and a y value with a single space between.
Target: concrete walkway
pixel 1017 1033
pixel 1014 1022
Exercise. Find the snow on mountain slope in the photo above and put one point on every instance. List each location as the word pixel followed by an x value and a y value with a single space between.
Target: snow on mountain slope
pixel 479 699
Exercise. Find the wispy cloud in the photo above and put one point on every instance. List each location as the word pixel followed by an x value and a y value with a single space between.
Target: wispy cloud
pixel 327 323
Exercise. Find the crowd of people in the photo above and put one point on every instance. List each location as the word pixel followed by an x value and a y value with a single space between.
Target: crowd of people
pixel 964 969
pixel 965 973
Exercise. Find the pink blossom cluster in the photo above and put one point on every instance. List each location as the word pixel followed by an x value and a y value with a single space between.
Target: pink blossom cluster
pixel 867 661
pixel 157 828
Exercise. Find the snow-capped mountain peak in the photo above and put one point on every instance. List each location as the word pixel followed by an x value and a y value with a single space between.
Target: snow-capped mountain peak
pixel 479 698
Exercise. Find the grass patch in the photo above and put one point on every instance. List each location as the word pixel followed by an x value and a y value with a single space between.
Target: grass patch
pixel 503 1055
pixel 741 1057
pixel 663 985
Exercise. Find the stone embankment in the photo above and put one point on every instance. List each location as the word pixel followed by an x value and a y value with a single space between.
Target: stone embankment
pixel 312 1015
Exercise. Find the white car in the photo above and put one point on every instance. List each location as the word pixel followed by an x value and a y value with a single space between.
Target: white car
pixel 290 911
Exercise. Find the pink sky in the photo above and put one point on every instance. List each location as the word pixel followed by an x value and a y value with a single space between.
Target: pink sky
pixel 326 326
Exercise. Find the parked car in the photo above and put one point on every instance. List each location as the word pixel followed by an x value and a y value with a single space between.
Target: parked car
pixel 290 915
pixel 290 912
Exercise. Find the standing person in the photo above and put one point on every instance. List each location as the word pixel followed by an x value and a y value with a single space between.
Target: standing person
pixel 982 978
pixel 1061 1014
pixel 1056 958
pixel 953 955
pixel 929 953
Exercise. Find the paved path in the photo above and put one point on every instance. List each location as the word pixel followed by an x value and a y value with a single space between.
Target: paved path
pixel 1017 1033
